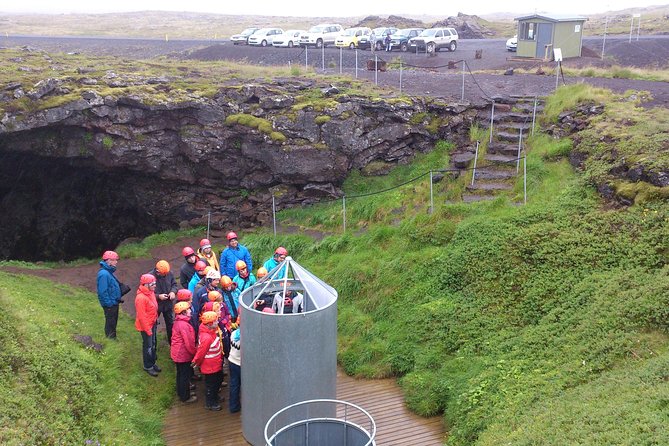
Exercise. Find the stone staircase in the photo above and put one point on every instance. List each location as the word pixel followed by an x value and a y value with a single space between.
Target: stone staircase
pixel 497 172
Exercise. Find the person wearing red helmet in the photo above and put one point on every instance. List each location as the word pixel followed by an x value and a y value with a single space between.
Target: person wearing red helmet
pixel 109 291
pixel 200 267
pixel 232 254
pixel 146 320
pixel 207 254
pixel 182 349
pixel 279 256
pixel 209 358
pixel 166 294
pixel 188 268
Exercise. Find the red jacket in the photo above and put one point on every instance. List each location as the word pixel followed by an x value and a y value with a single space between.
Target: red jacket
pixel 146 307
pixel 209 356
pixel 183 340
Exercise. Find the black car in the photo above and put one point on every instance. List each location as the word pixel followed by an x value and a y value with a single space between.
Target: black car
pixel 400 40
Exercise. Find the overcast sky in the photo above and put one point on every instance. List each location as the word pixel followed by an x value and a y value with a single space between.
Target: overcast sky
pixel 328 8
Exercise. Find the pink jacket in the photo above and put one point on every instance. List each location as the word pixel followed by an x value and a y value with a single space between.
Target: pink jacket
pixel 183 340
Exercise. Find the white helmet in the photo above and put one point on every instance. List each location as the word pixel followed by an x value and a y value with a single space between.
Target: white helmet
pixel 213 275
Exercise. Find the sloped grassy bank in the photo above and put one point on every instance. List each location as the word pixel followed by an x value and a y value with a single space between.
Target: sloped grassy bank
pixel 538 324
pixel 54 390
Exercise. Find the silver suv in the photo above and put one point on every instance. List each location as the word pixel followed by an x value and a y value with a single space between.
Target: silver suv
pixel 434 39
pixel 321 35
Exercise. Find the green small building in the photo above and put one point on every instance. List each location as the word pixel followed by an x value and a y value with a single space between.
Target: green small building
pixel 539 34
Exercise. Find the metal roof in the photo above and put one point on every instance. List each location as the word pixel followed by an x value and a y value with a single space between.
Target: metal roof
pixel 554 17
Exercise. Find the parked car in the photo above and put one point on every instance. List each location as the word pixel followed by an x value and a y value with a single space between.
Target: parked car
pixel 400 40
pixel 321 35
pixel 289 38
pixel 375 40
pixel 435 39
pixel 264 36
pixel 512 43
pixel 349 37
pixel 243 37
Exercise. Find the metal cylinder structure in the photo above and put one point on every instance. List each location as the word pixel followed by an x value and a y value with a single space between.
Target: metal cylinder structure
pixel 352 425
pixel 289 355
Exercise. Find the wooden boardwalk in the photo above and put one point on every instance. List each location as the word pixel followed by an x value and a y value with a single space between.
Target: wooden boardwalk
pixel 395 426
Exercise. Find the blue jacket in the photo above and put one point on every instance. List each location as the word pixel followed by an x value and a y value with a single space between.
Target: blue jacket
pixel 243 284
pixel 231 299
pixel 271 264
pixel 229 259
pixel 109 291
pixel 193 281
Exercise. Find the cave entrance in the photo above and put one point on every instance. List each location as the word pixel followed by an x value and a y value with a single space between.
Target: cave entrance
pixel 65 208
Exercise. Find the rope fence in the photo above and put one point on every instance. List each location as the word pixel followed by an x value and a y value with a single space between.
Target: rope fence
pixel 344 198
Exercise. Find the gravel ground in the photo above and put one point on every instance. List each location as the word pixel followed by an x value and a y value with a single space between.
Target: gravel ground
pixel 423 75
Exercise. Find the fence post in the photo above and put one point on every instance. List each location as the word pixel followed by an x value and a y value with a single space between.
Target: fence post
pixel 534 114
pixel 306 57
pixel 356 63
pixel 462 98
pixel 274 214
pixel 208 222
pixel 323 57
pixel 344 206
pixel 492 118
pixel 400 76
pixel 606 27
pixel 340 59
pixel 525 179
pixel 431 195
pixel 557 75
pixel 476 158
pixel 520 140
pixel 376 70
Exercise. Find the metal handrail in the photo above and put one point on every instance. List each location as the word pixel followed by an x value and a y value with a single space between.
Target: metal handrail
pixel 371 432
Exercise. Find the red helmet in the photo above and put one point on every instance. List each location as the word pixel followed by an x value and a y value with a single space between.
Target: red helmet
pixel 231 235
pixel 183 295
pixel 146 279
pixel 200 265
pixel 205 243
pixel 109 255
pixel 281 251
pixel 187 251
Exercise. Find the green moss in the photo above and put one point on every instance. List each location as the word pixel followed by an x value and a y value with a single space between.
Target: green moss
pixel 418 118
pixel 277 136
pixel 107 142
pixel 641 192
pixel 322 119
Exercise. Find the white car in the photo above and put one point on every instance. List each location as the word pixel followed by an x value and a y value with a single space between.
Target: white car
pixel 434 39
pixel 264 36
pixel 243 37
pixel 321 35
pixel 288 39
pixel 512 43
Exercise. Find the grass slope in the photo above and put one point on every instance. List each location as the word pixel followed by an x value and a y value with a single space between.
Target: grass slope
pixel 541 324
pixel 57 392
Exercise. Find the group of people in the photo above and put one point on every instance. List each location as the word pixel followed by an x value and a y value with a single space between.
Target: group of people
pixel 201 314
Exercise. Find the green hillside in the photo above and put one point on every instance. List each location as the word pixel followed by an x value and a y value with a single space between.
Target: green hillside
pixel 537 324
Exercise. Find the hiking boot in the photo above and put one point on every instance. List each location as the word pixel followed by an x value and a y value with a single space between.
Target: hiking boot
pixel 217 407
pixel 224 384
pixel 151 372
pixel 190 400
pixel 156 368
pixel 192 386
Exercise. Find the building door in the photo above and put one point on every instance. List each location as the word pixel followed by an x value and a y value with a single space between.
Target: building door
pixel 544 37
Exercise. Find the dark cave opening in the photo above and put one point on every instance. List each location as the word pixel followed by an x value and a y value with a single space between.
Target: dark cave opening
pixel 66 208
